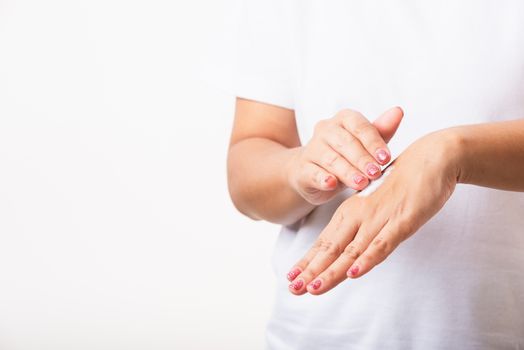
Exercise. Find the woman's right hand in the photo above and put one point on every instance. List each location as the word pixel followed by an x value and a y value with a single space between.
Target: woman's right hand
pixel 345 151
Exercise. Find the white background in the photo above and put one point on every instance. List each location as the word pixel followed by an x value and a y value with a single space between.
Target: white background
pixel 116 229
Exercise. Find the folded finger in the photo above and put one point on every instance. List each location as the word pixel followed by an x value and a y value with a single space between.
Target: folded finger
pixel 317 178
pixel 351 148
pixel 336 164
pixel 367 133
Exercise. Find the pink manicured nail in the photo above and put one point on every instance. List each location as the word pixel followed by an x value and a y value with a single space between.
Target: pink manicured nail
pixel 354 270
pixel 358 178
pixel 382 156
pixel 297 284
pixel 372 169
pixel 293 273
pixel 316 284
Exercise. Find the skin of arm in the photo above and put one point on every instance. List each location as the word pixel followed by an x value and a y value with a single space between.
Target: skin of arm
pixel 271 176
pixel 263 141
pixel 423 178
pixel 492 154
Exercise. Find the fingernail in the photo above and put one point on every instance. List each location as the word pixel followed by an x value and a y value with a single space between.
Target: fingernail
pixel 329 181
pixel 382 155
pixel 293 273
pixel 316 284
pixel 297 284
pixel 353 271
pixel 358 178
pixel 372 169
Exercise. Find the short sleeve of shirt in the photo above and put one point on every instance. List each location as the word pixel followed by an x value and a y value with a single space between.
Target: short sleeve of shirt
pixel 265 69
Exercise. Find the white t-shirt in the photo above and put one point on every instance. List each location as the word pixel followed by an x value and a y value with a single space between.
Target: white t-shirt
pixel 458 283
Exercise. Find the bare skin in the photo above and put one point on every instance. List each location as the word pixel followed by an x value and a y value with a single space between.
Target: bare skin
pixel 272 177
pixel 422 179
pixel 490 155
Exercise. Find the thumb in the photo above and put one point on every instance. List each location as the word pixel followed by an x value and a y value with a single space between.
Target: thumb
pixel 387 124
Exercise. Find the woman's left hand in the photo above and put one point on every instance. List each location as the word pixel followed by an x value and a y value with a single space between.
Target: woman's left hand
pixel 367 227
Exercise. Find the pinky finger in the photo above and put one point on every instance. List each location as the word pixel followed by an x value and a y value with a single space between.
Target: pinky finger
pixel 316 178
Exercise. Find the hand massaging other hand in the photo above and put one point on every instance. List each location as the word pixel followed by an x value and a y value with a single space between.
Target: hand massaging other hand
pixel 346 150
pixel 367 227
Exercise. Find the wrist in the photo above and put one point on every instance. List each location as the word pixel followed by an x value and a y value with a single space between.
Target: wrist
pixel 448 149
pixel 454 146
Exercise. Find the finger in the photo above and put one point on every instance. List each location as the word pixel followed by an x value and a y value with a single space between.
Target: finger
pixel 336 164
pixel 315 178
pixel 326 252
pixel 338 233
pixel 337 271
pixel 346 144
pixel 367 134
pixel 388 122
pixel 378 250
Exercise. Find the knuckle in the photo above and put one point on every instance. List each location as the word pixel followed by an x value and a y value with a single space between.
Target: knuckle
pixel 348 174
pixel 344 113
pixel 330 275
pixel 328 247
pixel 331 158
pixel 351 142
pixel 363 160
pixel 302 263
pixel 352 252
pixel 316 177
pixel 339 141
pixel 310 272
pixel 347 114
pixel 382 245
pixel 338 219
pixel 406 229
pixel 308 257
pixel 358 241
pixel 334 250
pixel 302 168
pixel 406 224
pixel 319 126
pixel 318 244
pixel 307 273
pixel 363 130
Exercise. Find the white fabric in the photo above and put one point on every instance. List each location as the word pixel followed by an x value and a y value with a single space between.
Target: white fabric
pixel 458 283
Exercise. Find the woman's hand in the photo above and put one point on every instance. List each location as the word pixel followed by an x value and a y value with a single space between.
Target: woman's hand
pixel 346 150
pixel 366 228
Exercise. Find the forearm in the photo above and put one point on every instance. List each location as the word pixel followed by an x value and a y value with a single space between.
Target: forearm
pixel 492 154
pixel 258 183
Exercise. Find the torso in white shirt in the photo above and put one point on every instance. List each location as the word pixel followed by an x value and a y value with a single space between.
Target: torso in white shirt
pixel 458 283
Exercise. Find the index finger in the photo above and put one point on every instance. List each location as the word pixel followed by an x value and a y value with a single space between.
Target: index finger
pixel 366 133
